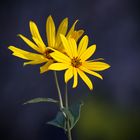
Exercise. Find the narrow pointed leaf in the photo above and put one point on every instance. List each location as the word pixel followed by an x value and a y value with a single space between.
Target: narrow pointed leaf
pixel 39 100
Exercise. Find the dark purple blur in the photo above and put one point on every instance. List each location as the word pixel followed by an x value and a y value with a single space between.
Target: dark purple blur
pixel 114 25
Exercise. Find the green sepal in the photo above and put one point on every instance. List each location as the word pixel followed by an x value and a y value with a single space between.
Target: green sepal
pixel 40 100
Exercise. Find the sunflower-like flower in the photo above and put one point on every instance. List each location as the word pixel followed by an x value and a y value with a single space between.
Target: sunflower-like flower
pixel 75 61
pixel 53 39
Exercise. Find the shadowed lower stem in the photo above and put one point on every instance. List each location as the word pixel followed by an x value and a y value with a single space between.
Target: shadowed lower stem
pixel 67 106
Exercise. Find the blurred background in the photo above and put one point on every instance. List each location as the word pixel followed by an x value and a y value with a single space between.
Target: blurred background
pixel 112 110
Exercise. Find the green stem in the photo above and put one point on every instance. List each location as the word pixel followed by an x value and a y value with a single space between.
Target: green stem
pixel 67 107
pixel 59 92
pixel 66 96
pixel 61 104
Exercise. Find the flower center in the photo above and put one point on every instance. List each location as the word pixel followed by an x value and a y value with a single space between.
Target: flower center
pixel 47 54
pixel 75 62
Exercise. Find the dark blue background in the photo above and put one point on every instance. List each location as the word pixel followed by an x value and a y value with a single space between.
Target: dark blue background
pixel 112 24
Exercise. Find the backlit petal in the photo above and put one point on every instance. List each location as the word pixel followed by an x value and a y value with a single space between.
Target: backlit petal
pixel 97 59
pixel 75 80
pixel 34 62
pixel 78 34
pixel 90 72
pixel 96 66
pixel 72 29
pixel 50 31
pixel 58 66
pixel 73 47
pixel 60 57
pixel 88 53
pixel 66 46
pixel 39 44
pixel 35 33
pixel 82 45
pixel 30 43
pixel 44 68
pixel 25 54
pixel 85 79
pixel 62 29
pixel 68 74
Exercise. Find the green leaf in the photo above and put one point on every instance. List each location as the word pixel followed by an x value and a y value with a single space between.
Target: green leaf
pixel 72 114
pixel 69 116
pixel 59 121
pixel 38 100
pixel 75 110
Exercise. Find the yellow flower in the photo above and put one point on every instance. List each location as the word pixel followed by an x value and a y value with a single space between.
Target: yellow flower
pixel 75 61
pixel 53 39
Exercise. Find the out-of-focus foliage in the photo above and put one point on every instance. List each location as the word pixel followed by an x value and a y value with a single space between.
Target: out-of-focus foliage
pixel 101 121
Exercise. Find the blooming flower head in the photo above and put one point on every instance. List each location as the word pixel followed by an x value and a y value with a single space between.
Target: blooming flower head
pixel 76 62
pixel 53 39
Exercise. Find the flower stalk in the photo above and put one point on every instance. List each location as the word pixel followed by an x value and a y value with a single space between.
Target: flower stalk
pixel 67 107
pixel 62 106
pixel 59 92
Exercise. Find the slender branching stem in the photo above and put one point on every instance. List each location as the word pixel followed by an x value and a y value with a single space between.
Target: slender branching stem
pixel 62 106
pixel 59 92
pixel 67 107
pixel 66 96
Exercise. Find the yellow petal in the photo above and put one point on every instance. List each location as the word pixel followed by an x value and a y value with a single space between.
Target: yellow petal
pixel 73 47
pixel 58 66
pixel 60 57
pixel 50 31
pixel 26 55
pixel 88 53
pixel 34 62
pixel 82 45
pixel 62 29
pixel 66 46
pixel 72 29
pixel 44 68
pixel 30 43
pixel 68 74
pixel 96 66
pixel 93 60
pixel 35 33
pixel 75 82
pixel 39 44
pixel 78 34
pixel 85 79
pixel 90 72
